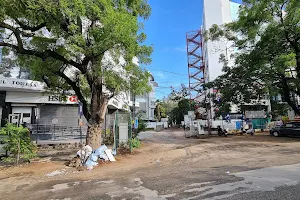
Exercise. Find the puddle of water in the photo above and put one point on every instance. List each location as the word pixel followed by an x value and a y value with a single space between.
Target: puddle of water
pixel 266 179
pixel 146 193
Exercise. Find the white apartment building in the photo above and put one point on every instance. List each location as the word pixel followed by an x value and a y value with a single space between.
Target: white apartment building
pixel 147 102
pixel 219 12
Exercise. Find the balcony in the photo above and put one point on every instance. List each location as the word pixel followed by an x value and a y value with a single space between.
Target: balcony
pixel 137 104
pixel 152 104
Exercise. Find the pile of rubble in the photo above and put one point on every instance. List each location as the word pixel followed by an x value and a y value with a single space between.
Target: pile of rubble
pixel 87 158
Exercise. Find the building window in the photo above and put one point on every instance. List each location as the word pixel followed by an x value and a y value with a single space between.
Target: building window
pixel 26 115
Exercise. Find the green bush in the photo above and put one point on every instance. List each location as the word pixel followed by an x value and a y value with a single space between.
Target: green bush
pixel 135 143
pixel 141 127
pixel 17 142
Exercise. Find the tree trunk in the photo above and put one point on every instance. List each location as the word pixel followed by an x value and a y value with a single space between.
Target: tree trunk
pixel 96 121
pixel 94 135
pixel 298 64
pixel 287 95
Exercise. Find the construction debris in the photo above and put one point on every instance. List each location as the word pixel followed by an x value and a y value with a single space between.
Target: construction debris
pixel 88 158
pixel 110 156
pixel 75 162
pixel 85 152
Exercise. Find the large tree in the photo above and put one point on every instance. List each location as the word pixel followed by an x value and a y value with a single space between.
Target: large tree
pixel 87 46
pixel 267 37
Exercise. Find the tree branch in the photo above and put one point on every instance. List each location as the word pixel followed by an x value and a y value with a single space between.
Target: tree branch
pixel 292 43
pixel 29 28
pixel 44 55
pixel 77 92
pixel 286 93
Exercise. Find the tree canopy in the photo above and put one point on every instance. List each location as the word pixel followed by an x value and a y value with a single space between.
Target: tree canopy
pixel 267 61
pixel 87 46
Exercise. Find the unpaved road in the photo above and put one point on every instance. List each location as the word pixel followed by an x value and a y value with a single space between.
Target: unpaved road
pixel 169 166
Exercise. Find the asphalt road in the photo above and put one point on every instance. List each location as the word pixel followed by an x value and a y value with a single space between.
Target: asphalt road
pixel 270 183
pixel 172 167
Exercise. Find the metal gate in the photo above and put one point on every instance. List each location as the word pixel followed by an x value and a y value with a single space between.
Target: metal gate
pixel 122 129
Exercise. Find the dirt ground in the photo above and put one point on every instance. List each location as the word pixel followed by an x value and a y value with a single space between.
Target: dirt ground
pixel 166 154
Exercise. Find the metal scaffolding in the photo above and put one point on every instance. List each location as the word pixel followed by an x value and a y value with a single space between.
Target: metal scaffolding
pixel 195 64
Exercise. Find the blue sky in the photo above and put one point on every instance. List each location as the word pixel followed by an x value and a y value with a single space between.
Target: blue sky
pixel 166 31
pixel 237 1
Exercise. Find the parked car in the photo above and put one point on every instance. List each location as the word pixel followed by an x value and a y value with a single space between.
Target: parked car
pixel 290 128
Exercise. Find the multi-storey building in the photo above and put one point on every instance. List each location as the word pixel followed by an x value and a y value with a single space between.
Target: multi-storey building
pixel 220 12
pixel 147 102
pixel 217 12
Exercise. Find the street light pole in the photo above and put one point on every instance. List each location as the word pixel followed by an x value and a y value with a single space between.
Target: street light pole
pixel 80 110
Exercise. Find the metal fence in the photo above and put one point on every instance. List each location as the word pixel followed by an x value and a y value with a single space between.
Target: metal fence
pixel 122 129
pixel 48 133
pixel 117 130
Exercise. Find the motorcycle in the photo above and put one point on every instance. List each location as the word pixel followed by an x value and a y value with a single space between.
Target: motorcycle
pixel 247 131
pixel 222 132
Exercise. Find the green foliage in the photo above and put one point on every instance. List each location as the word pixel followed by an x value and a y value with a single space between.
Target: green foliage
pixel 136 143
pixel 160 111
pixel 141 127
pixel 17 141
pixel 177 95
pixel 166 106
pixel 267 37
pixel 96 43
pixel 175 106
pixel 279 109
pixel 177 114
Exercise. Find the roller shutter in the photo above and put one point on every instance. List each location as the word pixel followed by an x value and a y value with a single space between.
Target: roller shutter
pixel 67 115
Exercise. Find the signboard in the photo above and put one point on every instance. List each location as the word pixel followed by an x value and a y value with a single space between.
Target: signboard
pixel 39 97
pixel 54 121
pixel 55 98
pixel 80 109
pixel 255 114
pixel 136 123
pixel 21 83
pixel 73 99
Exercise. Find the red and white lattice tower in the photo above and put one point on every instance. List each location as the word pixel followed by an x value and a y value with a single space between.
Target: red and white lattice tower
pixel 195 65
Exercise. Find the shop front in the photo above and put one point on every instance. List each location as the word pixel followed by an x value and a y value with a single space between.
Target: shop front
pixel 27 107
pixel 27 102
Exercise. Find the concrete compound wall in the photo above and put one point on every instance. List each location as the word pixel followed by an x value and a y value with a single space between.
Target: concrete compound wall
pixel 222 123
pixel 155 124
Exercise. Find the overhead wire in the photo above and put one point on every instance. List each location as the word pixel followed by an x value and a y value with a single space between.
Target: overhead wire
pixel 167 71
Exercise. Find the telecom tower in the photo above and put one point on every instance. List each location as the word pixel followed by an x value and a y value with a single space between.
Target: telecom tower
pixel 196 67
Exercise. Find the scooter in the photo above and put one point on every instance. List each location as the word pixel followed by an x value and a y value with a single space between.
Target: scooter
pixel 222 131
pixel 247 131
